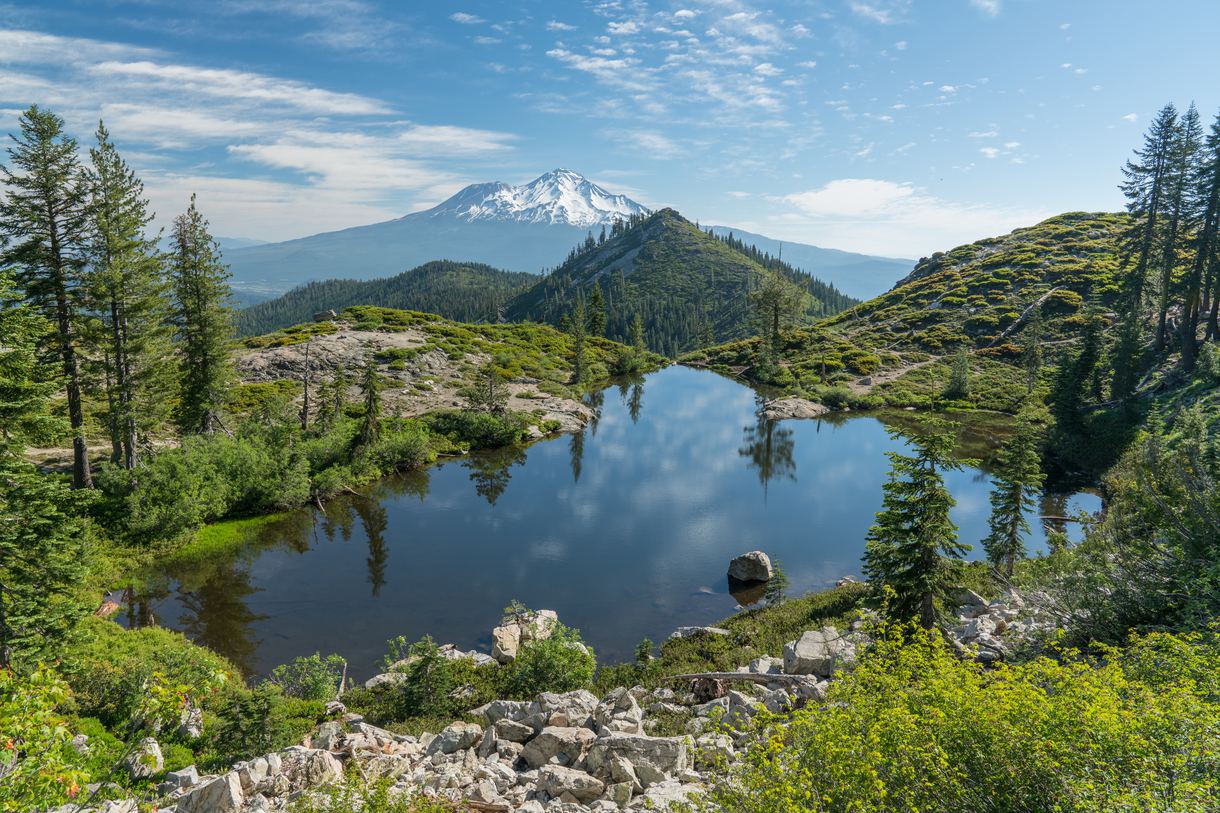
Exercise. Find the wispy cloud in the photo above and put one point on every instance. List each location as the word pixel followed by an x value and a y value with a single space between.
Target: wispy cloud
pixel 884 12
pixel 988 7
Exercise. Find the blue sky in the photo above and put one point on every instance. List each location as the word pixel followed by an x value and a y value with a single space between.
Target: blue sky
pixel 893 127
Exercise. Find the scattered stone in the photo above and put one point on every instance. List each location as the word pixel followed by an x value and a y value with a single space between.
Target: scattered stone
pixel 564 745
pixel 222 795
pixel 455 737
pixel 817 652
pixel 793 407
pixel 556 781
pixel 146 761
pixel 386 679
pixel 694 632
pixel 518 628
pixel 754 566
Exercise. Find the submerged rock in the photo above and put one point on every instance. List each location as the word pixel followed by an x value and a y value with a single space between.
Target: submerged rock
pixel 754 566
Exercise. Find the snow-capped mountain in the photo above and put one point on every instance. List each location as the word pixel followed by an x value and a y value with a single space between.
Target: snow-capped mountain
pixel 529 228
pixel 560 197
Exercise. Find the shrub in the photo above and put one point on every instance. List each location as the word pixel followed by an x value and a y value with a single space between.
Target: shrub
pixel 38 766
pixel 253 722
pixel 1062 301
pixel 835 397
pixel 435 686
pixel 404 449
pixel 915 728
pixel 310 677
pixel 560 663
pixel 108 667
pixel 479 430
pixel 1208 365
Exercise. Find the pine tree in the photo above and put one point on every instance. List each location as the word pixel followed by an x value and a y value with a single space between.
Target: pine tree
pixel 1074 375
pixel 370 391
pixel 1202 277
pixel 913 547
pixel 203 319
pixel 579 332
pixel 596 311
pixel 1146 190
pixel 1031 353
pixel 43 216
pixel 332 400
pixel 1183 158
pixel 958 386
pixel 776 303
pixel 42 558
pixel 638 342
pixel 1018 482
pixel 128 291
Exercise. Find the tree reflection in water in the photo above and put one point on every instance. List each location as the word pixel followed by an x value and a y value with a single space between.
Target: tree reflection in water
pixel 768 447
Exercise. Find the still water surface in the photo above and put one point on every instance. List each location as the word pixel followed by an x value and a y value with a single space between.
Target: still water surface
pixel 625 529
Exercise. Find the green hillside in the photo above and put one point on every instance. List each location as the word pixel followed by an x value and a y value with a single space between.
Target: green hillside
pixel 689 287
pixel 977 297
pixel 464 292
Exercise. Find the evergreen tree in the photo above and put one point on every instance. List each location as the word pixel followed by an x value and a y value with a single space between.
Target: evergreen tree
pixel 579 333
pixel 1074 375
pixel 488 394
pixel 913 547
pixel 776 302
pixel 128 291
pixel 370 392
pixel 1184 154
pixel 1031 352
pixel 1146 189
pixel 1018 482
pixel 42 557
pixel 958 386
pixel 637 335
pixel 596 311
pixel 332 400
pixel 1202 277
pixel 43 215
pixel 202 317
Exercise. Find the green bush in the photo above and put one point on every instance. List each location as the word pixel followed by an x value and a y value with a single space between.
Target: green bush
pixel 310 677
pixel 478 430
pixel 913 727
pixel 1208 365
pixel 436 687
pixel 107 667
pixel 560 663
pixel 404 449
pixel 248 723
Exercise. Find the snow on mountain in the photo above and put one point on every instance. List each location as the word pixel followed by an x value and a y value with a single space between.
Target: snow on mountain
pixel 560 197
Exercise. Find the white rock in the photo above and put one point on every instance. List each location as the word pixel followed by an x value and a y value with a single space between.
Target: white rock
pixel 222 795
pixel 754 566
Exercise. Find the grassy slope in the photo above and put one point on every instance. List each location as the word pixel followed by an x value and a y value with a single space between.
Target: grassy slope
pixel 465 292
pixel 668 270
pixel 972 297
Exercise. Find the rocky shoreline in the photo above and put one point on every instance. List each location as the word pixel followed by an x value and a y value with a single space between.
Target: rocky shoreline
pixel 568 752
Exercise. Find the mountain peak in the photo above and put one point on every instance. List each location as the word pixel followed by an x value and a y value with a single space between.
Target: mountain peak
pixel 559 197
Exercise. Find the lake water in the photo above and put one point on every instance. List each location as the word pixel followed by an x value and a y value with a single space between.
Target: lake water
pixel 625 529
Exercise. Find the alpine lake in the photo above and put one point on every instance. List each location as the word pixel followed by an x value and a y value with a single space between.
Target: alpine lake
pixel 625 529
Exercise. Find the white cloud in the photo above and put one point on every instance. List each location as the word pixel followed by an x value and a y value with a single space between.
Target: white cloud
pixel 984 134
pixel 1131 117
pixel 988 7
pixel 647 143
pixel 1011 145
pixel 901 45
pixel 883 217
pixel 989 152
pixel 685 14
pixel 885 12
pixel 767 69
pixel 624 28
pixel 466 18
pixel 18 47
pixel 231 84
pixel 556 25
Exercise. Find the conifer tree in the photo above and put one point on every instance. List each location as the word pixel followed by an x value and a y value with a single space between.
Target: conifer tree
pixel 776 303
pixel 332 400
pixel 43 217
pixel 370 392
pixel 958 386
pixel 1074 375
pixel 637 335
pixel 913 547
pixel 579 332
pixel 203 320
pixel 128 292
pixel 1018 482
pixel 1146 189
pixel 596 311
pixel 1184 154
pixel 41 546
pixel 1031 353
pixel 1202 276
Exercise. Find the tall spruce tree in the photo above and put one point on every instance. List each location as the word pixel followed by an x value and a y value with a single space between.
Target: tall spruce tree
pixel 203 320
pixel 1184 156
pixel 638 341
pixel 1147 178
pixel 44 219
pixel 579 331
pixel 596 317
pixel 128 290
pixel 1018 483
pixel 1075 375
pixel 913 547
pixel 370 391
pixel 1201 279
pixel 1031 351
pixel 42 556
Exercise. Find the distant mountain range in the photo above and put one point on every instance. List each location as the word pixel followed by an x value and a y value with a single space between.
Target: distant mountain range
pixel 529 228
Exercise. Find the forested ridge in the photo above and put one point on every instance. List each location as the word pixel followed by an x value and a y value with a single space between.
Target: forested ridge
pixel 689 287
pixel 464 292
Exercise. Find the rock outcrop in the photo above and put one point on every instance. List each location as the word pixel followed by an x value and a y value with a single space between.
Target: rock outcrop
pixel 754 566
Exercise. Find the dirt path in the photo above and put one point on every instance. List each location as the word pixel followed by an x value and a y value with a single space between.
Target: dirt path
pixel 865 384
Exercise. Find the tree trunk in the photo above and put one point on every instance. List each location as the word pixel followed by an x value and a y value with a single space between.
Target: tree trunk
pixel 82 476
